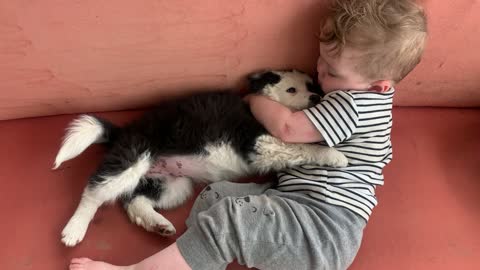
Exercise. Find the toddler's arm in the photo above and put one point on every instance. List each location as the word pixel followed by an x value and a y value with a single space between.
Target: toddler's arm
pixel 281 122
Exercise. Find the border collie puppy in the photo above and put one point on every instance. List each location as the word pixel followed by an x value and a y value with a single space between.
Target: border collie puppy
pixel 151 162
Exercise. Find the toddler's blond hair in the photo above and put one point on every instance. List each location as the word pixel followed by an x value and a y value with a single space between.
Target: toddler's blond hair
pixel 390 34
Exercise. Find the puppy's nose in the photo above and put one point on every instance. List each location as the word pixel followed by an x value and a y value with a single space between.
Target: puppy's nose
pixel 314 99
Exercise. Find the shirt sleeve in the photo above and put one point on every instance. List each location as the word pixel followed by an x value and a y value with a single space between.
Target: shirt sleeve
pixel 335 117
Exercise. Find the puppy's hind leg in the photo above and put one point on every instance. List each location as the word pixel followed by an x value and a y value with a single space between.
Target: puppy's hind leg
pixel 151 193
pixel 141 211
pixel 119 174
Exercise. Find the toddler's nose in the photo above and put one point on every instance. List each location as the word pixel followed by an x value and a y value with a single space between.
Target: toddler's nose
pixel 314 99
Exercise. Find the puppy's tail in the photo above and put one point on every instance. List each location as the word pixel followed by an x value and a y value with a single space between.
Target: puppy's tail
pixel 83 132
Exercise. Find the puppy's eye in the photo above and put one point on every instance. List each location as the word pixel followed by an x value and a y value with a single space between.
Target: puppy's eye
pixel 291 90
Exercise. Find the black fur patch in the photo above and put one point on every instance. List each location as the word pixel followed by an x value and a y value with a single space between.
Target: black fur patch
pixel 111 131
pixel 151 188
pixel 258 81
pixel 315 88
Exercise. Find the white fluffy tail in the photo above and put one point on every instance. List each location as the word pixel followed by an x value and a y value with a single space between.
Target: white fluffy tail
pixel 81 133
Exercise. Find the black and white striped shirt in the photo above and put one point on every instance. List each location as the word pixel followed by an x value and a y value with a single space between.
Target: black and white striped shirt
pixel 357 123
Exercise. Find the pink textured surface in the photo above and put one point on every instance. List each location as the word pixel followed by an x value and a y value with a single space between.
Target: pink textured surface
pixel 77 56
pixel 448 74
pixel 427 217
pixel 81 56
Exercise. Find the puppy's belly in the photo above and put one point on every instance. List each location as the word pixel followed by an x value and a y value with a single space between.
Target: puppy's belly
pixel 221 163
pixel 179 166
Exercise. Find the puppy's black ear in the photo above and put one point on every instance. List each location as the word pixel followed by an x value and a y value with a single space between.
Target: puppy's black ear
pixel 315 88
pixel 257 81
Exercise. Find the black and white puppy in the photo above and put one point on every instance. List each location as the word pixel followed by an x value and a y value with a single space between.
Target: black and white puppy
pixel 151 162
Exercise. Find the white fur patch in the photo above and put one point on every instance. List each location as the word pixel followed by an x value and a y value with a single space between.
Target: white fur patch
pixel 126 181
pixel 273 154
pixel 81 133
pixel 76 227
pixel 176 191
pixel 141 212
pixel 92 198
pixel 278 92
pixel 223 163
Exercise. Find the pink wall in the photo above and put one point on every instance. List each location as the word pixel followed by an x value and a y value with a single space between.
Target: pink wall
pixel 82 56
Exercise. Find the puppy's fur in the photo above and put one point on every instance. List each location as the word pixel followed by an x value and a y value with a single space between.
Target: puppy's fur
pixel 209 137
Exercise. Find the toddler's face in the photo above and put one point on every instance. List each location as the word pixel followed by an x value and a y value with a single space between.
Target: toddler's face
pixel 338 72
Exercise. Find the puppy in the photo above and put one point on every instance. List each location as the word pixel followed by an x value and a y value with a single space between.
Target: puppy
pixel 209 137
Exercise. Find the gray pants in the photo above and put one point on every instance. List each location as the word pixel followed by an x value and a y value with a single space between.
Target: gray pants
pixel 268 229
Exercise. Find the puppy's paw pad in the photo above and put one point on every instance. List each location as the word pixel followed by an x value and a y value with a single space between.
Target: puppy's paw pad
pixel 164 229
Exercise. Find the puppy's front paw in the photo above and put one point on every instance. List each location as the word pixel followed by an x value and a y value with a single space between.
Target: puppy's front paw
pixel 336 159
pixel 73 233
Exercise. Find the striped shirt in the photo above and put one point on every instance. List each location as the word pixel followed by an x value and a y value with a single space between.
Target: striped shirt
pixel 357 123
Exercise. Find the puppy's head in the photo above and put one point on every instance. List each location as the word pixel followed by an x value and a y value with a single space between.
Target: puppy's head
pixel 293 89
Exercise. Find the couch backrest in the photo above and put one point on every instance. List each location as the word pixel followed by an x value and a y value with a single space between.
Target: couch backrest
pixel 61 57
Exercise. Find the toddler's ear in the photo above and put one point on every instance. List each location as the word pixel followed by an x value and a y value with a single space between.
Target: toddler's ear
pixel 381 86
pixel 259 80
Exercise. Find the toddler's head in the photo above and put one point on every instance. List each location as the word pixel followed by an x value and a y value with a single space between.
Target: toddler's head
pixel 370 44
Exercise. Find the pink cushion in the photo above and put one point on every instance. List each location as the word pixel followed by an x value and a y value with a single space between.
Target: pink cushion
pixel 63 57
pixel 427 217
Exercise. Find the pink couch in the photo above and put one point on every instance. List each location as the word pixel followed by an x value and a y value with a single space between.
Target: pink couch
pixel 60 57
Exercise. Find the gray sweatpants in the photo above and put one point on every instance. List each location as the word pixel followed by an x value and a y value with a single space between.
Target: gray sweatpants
pixel 268 229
